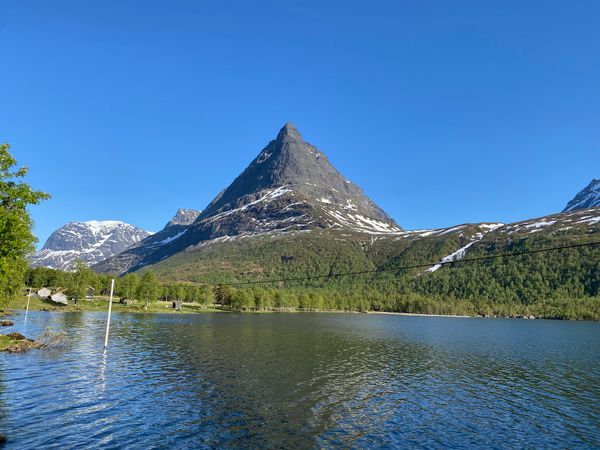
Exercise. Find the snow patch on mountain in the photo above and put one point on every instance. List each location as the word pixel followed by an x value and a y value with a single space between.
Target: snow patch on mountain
pixel 266 196
pixel 462 251
pixel 454 256
pixel 540 224
pixel 172 238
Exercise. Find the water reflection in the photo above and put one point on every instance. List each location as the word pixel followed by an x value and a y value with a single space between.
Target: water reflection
pixel 303 381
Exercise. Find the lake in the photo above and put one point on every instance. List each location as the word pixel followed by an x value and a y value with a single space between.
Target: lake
pixel 303 380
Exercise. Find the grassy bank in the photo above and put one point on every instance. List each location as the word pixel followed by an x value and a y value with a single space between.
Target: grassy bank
pixel 584 309
pixel 101 304
pixel 16 343
pixel 6 342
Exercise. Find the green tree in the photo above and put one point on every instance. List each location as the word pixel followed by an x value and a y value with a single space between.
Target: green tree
pixel 149 289
pixel 206 295
pixel 16 237
pixel 127 286
pixel 79 280
pixel 223 295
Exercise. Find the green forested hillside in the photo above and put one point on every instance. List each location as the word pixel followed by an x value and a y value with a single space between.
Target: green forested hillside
pixel 559 284
pixel 493 274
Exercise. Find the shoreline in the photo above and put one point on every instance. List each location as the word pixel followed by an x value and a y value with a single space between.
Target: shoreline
pixel 195 310
pixel 391 313
pixel 100 304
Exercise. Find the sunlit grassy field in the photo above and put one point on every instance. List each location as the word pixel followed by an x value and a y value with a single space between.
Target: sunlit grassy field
pixel 100 303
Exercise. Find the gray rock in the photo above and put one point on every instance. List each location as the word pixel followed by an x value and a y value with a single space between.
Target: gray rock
pixel 59 297
pixel 183 217
pixel 44 293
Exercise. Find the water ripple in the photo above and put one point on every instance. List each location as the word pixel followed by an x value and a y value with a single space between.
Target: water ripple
pixel 303 381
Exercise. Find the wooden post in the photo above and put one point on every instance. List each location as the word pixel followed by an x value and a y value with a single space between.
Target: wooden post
pixel 112 288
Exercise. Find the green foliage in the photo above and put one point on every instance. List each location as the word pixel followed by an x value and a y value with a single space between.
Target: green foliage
pixel 16 238
pixel 79 280
pixel 558 284
pixel 148 289
pixel 127 286
pixel 39 277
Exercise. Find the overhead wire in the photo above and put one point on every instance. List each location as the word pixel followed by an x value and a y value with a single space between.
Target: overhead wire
pixel 412 266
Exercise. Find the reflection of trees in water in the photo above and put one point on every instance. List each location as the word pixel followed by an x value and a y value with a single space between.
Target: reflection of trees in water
pixel 271 381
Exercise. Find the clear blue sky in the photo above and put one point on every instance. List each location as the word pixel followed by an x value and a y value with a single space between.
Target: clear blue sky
pixel 444 112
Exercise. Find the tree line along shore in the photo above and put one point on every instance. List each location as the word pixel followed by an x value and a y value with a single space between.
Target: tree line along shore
pixel 146 293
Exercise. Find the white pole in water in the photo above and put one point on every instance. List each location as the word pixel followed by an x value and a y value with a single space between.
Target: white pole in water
pixel 27 308
pixel 112 288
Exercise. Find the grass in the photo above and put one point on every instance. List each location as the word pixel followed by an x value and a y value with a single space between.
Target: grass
pixel 16 343
pixel 6 342
pixel 101 304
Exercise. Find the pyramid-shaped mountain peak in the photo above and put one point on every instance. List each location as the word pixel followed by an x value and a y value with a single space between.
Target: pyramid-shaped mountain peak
pixel 290 186
pixel 290 162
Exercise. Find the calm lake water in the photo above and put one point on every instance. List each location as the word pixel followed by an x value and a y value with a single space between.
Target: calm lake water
pixel 303 381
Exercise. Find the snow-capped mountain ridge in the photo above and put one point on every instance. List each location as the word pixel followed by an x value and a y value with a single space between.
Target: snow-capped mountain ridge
pixel 91 242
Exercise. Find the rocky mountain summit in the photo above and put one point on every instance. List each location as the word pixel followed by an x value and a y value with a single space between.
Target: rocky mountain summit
pixel 91 242
pixel 589 197
pixel 290 167
pixel 183 217
pixel 291 186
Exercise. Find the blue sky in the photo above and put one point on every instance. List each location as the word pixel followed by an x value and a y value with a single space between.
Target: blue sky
pixel 444 112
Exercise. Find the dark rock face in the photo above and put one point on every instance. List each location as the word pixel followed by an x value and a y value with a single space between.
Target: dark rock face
pixel 91 242
pixel 289 186
pixel 589 197
pixel 291 162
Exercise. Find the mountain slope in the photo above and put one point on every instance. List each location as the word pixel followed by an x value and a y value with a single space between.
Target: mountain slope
pixel 589 197
pixel 310 259
pixel 290 186
pixel 90 242
pixel 252 258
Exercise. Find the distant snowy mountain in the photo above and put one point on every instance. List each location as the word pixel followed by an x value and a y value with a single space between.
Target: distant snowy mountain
pixel 589 197
pixel 174 229
pixel 91 242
